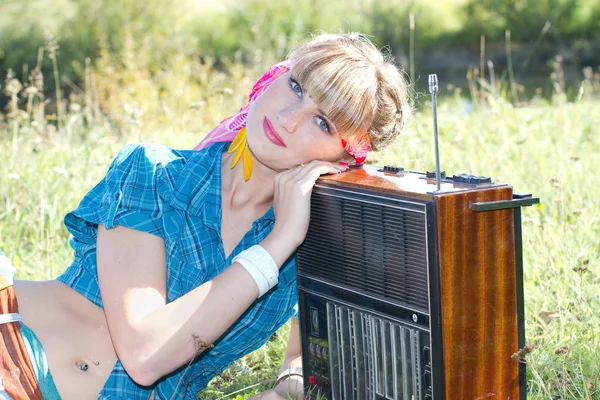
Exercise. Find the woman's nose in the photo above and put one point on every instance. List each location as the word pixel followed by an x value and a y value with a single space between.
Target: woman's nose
pixel 289 118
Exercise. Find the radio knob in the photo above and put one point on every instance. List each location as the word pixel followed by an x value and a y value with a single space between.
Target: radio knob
pixel 390 169
pixel 471 179
pixel 478 180
pixel 432 174
pixel 461 178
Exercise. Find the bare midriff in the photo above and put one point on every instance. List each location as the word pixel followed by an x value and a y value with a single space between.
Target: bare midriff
pixel 74 334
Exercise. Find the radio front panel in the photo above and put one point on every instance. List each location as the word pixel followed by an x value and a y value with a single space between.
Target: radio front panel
pixel 408 293
pixel 364 278
pixel 357 353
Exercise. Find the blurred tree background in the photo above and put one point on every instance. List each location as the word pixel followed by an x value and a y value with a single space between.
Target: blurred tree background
pixel 446 35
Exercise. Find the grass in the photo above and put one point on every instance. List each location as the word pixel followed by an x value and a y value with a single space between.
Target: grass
pixel 548 148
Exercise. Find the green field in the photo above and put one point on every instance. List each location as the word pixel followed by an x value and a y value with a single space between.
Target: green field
pixel 550 149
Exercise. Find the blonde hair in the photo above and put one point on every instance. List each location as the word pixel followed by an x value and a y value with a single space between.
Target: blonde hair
pixel 357 87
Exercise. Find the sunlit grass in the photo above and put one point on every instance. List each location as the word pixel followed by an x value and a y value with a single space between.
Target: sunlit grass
pixel 548 148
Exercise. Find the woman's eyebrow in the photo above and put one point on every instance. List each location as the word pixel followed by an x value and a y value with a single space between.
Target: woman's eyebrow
pixel 321 112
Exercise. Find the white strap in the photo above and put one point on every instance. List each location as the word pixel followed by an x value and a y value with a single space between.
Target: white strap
pixel 6 318
pixel 256 274
pixel 261 266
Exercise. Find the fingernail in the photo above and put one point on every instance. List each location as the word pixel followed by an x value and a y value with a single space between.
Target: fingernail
pixel 343 164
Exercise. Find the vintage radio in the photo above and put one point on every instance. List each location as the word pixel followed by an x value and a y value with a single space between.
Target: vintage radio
pixel 410 287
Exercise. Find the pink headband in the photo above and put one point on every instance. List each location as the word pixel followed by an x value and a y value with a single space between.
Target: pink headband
pixel 227 130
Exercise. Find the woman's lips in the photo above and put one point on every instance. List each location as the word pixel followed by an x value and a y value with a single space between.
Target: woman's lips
pixel 271 133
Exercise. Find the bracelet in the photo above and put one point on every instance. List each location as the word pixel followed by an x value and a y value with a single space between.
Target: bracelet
pixel 287 373
pixel 261 266
pixel 256 274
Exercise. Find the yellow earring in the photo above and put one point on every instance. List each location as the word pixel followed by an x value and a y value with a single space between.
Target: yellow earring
pixel 240 147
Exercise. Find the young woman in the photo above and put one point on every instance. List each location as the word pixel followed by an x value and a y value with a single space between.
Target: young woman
pixel 184 258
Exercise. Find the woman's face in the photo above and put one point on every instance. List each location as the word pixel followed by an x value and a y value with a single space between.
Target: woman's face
pixel 286 128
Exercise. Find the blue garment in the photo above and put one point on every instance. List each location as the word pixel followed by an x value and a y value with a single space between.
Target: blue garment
pixel 39 362
pixel 176 195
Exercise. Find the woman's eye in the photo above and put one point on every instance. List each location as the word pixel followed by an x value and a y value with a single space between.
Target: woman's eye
pixel 296 87
pixel 323 125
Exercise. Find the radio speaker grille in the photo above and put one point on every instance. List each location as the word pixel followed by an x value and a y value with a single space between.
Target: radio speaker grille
pixel 377 249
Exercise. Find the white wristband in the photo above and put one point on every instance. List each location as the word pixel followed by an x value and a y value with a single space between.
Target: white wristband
pixel 256 274
pixel 261 266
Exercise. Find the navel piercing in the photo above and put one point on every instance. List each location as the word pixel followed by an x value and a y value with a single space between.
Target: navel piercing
pixel 83 366
pixel 302 165
pixel 96 362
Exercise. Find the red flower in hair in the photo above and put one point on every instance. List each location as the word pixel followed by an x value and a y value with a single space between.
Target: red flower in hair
pixel 359 149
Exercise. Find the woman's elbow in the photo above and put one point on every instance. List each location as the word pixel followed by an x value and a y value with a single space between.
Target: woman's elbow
pixel 140 369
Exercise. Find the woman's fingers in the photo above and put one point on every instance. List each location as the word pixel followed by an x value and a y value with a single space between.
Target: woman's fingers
pixel 307 172
pixel 314 169
pixel 307 179
pixel 291 199
pixel 304 178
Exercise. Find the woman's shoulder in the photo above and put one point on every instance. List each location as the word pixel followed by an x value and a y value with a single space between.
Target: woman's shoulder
pixel 153 156
pixel 141 182
pixel 147 171
pixel 149 163
pixel 149 155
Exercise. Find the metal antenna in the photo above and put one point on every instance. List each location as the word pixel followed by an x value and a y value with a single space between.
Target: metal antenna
pixel 433 89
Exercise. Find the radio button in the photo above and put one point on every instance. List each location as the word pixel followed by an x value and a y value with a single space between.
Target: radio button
pixel 427 379
pixel 478 180
pixel 312 349
pixel 324 353
pixel 426 355
pixel 390 169
pixel 471 179
pixel 433 174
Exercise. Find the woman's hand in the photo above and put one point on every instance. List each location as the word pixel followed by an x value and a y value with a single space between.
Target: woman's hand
pixel 291 204
pixel 288 389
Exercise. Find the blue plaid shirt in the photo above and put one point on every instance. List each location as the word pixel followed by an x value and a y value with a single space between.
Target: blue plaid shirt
pixel 176 195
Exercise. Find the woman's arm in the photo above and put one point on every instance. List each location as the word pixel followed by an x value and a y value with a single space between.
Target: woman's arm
pixel 293 359
pixel 153 338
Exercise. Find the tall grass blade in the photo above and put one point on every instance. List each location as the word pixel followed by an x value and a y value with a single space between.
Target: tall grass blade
pixel 511 73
